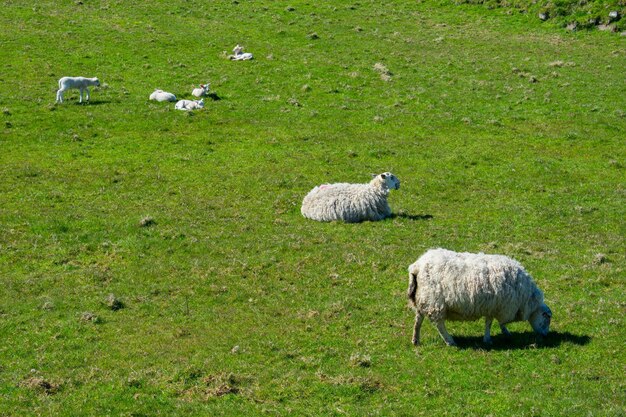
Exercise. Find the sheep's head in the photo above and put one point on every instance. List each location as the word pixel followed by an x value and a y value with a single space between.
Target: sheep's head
pixel 387 180
pixel 540 320
pixel 201 103
pixel 96 82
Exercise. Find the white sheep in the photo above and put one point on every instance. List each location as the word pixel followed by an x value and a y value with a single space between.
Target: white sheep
pixel 189 104
pixel 80 83
pixel 351 202
pixel 202 91
pixel 446 285
pixel 239 54
pixel 160 95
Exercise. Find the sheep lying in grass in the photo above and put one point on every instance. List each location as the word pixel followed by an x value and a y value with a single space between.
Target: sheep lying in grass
pixel 202 91
pixel 446 285
pixel 351 202
pixel 239 54
pixel 189 104
pixel 80 83
pixel 160 95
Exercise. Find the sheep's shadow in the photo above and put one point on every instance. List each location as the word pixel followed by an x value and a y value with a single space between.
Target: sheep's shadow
pixel 89 103
pixel 524 340
pixel 214 96
pixel 402 215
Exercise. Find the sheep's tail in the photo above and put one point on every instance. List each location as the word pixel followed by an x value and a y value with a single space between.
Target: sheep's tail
pixel 412 291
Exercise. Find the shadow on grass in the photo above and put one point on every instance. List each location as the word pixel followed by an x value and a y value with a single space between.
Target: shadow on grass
pixel 411 216
pixel 86 103
pixel 214 96
pixel 523 340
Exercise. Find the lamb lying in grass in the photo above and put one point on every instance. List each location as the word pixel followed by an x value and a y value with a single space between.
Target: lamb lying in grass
pixel 202 91
pixel 351 202
pixel 189 104
pixel 239 54
pixel 80 83
pixel 446 285
pixel 160 95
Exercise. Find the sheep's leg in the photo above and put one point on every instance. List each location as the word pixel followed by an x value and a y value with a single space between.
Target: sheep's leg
pixel 441 326
pixel 487 337
pixel 87 90
pixel 60 96
pixel 419 318
pixel 81 95
pixel 504 330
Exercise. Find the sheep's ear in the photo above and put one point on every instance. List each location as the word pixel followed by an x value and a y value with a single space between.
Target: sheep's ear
pixel 373 175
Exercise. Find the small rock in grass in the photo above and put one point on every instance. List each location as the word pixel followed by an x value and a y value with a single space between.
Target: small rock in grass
pixel 600 259
pixel 290 8
pixel 147 222
pixel 6 111
pixel 114 303
pixel 88 316
pixel 47 306
pixel 614 15
pixel 544 16
pixel 235 349
pixel 572 26
pixel 294 102
pixel 313 36
pixel 306 87
pixel 363 361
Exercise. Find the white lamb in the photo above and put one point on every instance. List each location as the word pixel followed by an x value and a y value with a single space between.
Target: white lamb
pixel 239 54
pixel 446 285
pixel 351 202
pixel 189 104
pixel 80 83
pixel 202 91
pixel 160 95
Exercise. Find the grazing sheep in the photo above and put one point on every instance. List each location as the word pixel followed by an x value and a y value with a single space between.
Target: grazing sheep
pixel 160 95
pixel 202 91
pixel 351 202
pixel 189 104
pixel 239 54
pixel 446 285
pixel 80 83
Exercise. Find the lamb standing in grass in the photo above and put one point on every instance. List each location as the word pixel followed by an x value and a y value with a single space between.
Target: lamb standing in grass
pixel 160 95
pixel 446 285
pixel 189 104
pixel 351 202
pixel 80 83
pixel 202 91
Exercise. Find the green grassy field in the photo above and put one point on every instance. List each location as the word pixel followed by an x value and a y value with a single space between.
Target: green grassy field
pixel 508 136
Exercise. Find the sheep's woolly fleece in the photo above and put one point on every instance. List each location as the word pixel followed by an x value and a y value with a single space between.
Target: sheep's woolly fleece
pixel 79 83
pixel 350 202
pixel 446 285
pixel 160 95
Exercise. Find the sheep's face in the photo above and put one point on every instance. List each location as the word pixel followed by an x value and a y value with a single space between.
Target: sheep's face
pixel 96 82
pixel 390 180
pixel 540 320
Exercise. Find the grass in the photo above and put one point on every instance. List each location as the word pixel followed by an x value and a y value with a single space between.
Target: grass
pixel 507 135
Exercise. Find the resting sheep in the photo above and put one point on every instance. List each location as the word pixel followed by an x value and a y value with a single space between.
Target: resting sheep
pixel 160 95
pixel 351 203
pixel 80 83
pixel 189 104
pixel 446 285
pixel 239 54
pixel 202 91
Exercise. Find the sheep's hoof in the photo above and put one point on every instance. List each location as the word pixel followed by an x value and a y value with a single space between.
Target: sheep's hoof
pixel 415 342
pixel 488 341
pixel 451 343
